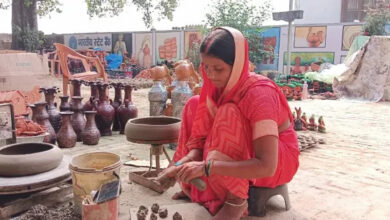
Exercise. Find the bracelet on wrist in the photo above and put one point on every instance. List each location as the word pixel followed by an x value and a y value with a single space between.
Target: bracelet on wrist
pixel 207 170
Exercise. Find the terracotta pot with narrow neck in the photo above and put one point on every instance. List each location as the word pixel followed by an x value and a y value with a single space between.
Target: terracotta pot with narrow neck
pixel 64 106
pixel 33 112
pixel 54 115
pixel 42 118
pixel 105 112
pixel 78 121
pixel 116 103
pixel 66 136
pixel 88 106
pixel 76 88
pixel 90 134
pixel 126 111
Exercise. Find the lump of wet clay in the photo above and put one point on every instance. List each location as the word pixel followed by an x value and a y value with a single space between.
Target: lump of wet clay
pixel 177 216
pixel 143 208
pixel 141 214
pixel 163 213
pixel 155 208
pixel 153 216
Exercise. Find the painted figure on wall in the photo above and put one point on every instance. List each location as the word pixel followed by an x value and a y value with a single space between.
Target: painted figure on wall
pixel 193 49
pixel 296 69
pixel 144 54
pixel 269 46
pixel 120 46
pixel 302 62
pixel 315 39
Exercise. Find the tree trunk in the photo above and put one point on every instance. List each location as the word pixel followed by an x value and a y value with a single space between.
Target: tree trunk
pixel 24 20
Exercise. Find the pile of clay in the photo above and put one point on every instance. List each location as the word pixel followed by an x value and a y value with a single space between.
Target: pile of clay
pixel 156 212
pixel 306 142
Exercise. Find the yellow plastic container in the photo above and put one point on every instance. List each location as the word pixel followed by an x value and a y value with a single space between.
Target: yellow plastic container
pixel 90 171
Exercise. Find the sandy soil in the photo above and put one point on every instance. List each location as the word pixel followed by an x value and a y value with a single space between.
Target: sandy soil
pixel 347 178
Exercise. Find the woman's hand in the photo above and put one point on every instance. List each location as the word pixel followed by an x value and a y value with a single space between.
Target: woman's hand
pixel 167 177
pixel 190 170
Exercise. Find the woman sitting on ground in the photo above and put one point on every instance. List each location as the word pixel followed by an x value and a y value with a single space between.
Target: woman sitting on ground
pixel 238 133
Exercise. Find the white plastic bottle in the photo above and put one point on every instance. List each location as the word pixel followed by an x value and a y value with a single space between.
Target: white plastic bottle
pixel 305 91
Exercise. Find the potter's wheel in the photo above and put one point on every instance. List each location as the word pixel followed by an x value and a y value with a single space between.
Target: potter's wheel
pixel 31 183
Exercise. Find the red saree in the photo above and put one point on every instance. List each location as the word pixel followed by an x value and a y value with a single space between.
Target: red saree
pixel 224 124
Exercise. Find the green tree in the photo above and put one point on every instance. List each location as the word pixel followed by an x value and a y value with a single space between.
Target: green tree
pixel 246 16
pixel 25 35
pixel 376 20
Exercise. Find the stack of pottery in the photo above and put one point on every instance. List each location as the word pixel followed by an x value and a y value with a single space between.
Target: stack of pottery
pixel 64 106
pixel 54 115
pixel 105 112
pixel 42 117
pixel 127 110
pixel 116 103
pixel 77 119
pixel 88 106
pixel 76 88
pixel 158 95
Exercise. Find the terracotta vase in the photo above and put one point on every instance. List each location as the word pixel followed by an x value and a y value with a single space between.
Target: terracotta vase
pixel 33 112
pixel 66 136
pixel 116 103
pixel 105 112
pixel 54 115
pixel 88 106
pixel 78 120
pixel 42 118
pixel 127 110
pixel 90 134
pixel 76 88
pixel 64 106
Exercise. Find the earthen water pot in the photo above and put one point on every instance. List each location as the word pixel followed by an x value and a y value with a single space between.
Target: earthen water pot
pixel 28 158
pixel 54 115
pixel 90 134
pixel 88 106
pixel 66 136
pixel 105 112
pixel 116 103
pixel 42 118
pixel 78 120
pixel 125 112
pixel 154 128
pixel 64 106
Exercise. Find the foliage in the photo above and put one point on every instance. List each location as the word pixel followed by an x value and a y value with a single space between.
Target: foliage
pixel 150 8
pixel 376 20
pixel 245 16
pixel 32 40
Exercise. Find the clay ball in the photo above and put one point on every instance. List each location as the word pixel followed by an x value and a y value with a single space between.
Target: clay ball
pixel 177 216
pixel 163 213
pixel 141 215
pixel 143 208
pixel 155 208
pixel 153 216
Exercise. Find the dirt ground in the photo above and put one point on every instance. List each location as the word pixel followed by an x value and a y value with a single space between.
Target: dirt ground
pixel 347 178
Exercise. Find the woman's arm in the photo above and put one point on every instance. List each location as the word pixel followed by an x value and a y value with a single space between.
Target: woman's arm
pixel 263 165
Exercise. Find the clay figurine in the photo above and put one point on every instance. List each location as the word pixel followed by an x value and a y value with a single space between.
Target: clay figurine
pixel 312 124
pixel 155 208
pixel 143 208
pixel 163 213
pixel 297 93
pixel 321 125
pixel 153 216
pixel 159 73
pixel 141 215
pixel 297 121
pixel 304 121
pixel 177 216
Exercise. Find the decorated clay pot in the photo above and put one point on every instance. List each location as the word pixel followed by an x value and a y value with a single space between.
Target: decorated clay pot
pixel 157 96
pixel 88 106
pixel 76 88
pixel 42 118
pixel 126 111
pixel 116 103
pixel 24 159
pixel 64 106
pixel 33 112
pixel 66 136
pixel 54 115
pixel 105 112
pixel 90 134
pixel 78 120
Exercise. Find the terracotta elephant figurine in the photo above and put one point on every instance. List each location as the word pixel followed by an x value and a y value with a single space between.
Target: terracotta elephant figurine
pixel 160 73
pixel 185 70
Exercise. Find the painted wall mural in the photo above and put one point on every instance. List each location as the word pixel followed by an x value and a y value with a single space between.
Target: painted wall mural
pixel 122 43
pixel 349 34
pixel 167 45
pixel 191 39
pixel 302 62
pixel 310 36
pixel 271 42
pixel 143 49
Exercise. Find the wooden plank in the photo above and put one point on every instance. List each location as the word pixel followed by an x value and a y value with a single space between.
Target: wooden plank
pixel 20 203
